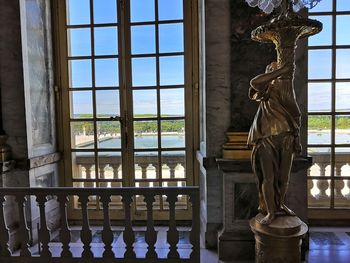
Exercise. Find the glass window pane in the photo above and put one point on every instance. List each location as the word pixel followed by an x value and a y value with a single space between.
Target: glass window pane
pixel 320 64
pixel 108 134
pixel 343 24
pixel 79 42
pixel 325 36
pixel 342 96
pixel 323 6
pixel 173 133
pixel 143 39
pixel 342 187
pixel 142 10
pixel 319 129
pixel 172 102
pixel 81 104
pixel 105 11
pixel 146 166
pixel 78 12
pixel 171 38
pixel 144 72
pixel 343 63
pixel 319 195
pixel 83 166
pixel 343 5
pixel 172 70
pixel 170 9
pixel 106 72
pixel 111 163
pixel 342 129
pixel 342 165
pixel 319 97
pixel 341 193
pixel 82 135
pixel 319 190
pixel 145 134
pixel 145 103
pixel 106 41
pixel 107 103
pixel 80 73
pixel 110 168
pixel 173 164
pixel 341 169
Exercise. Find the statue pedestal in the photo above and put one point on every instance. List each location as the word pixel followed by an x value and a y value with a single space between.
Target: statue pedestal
pixel 280 241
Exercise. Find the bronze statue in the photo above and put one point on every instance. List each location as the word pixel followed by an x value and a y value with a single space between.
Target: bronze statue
pixel 274 134
pixel 275 138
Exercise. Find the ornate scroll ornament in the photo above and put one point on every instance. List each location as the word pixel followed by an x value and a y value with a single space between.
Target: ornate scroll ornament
pixel 269 5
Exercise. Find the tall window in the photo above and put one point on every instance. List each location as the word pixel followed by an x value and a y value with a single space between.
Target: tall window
pixel 126 69
pixel 329 111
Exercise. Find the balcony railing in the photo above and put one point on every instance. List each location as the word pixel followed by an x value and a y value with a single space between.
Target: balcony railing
pixel 146 175
pixel 319 189
pixel 146 167
pixel 66 251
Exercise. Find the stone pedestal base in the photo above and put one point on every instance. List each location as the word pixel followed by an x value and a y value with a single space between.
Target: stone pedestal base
pixel 235 245
pixel 280 241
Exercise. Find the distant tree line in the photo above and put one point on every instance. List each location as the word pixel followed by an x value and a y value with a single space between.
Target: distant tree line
pixel 113 127
pixel 325 123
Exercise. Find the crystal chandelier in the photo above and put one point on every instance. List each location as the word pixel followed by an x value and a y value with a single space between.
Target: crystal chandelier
pixel 269 5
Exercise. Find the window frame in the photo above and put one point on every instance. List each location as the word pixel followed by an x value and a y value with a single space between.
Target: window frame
pixel 331 212
pixel 190 88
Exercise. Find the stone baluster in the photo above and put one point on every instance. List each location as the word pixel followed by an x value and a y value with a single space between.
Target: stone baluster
pixel 128 234
pixel 65 235
pixel 4 236
pixel 88 175
pixel 173 233
pixel 172 167
pixel 348 185
pixel 107 234
pixel 338 185
pixel 23 228
pixel 156 169
pixel 102 174
pixel 144 167
pixel 194 238
pixel 310 185
pixel 322 185
pixel 44 233
pixel 151 234
pixel 115 170
pixel 85 234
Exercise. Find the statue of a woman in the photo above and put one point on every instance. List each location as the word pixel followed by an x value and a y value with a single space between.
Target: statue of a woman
pixel 274 136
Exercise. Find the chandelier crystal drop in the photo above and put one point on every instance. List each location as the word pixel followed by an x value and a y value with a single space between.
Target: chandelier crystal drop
pixel 269 5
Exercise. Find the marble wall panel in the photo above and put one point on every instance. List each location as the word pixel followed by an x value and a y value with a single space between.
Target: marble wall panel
pixel 38 76
pixel 248 59
pixel 218 88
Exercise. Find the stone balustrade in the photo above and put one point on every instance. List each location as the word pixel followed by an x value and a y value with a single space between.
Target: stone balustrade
pixel 146 169
pixel 319 189
pixel 47 253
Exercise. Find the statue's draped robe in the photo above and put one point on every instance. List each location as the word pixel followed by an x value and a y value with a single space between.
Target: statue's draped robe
pixel 272 134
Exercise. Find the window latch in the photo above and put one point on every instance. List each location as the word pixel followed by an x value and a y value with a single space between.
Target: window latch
pixel 115 118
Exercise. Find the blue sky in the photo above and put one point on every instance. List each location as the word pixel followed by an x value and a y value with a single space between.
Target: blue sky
pixel 143 41
pixel 172 67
